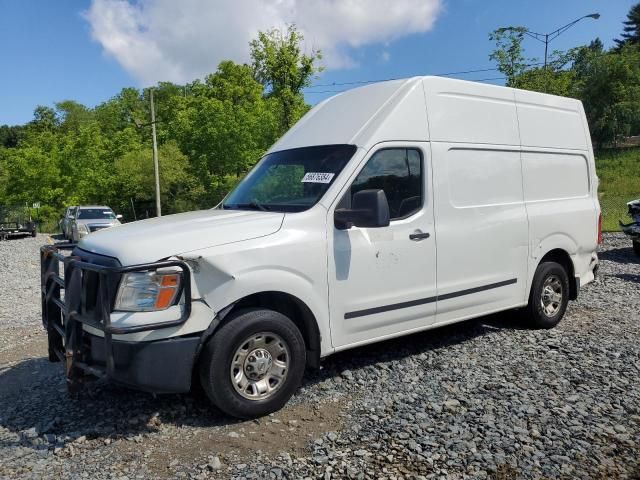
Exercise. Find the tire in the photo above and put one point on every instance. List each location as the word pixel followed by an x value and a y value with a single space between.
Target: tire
pixel 549 296
pixel 636 247
pixel 266 337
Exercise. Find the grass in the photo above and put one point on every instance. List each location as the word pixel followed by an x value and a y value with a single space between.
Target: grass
pixel 619 173
pixel 48 226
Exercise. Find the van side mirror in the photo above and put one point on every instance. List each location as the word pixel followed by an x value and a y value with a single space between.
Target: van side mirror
pixel 369 209
pixel 118 217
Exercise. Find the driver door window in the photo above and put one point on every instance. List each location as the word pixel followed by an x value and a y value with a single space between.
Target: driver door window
pixel 397 171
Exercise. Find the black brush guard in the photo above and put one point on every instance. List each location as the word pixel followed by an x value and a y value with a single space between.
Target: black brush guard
pixel 63 318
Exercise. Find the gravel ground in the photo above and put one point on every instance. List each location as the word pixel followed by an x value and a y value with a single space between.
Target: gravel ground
pixel 19 290
pixel 482 399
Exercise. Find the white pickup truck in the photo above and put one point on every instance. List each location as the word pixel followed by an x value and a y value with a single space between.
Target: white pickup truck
pixel 389 209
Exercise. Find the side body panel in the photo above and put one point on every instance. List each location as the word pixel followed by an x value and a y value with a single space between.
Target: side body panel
pixel 560 182
pixel 481 221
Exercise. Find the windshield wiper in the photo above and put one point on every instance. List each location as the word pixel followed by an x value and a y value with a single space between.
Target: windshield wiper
pixel 248 205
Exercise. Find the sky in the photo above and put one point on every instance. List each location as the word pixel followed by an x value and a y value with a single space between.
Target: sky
pixel 88 50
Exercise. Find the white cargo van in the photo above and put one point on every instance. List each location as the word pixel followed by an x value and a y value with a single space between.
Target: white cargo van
pixel 389 209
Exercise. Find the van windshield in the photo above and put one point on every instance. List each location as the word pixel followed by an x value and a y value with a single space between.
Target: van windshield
pixel 290 180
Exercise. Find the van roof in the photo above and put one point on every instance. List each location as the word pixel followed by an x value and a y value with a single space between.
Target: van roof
pixel 458 110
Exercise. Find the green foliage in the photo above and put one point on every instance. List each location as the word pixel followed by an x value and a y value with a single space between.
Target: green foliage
pixel 547 80
pixel 134 179
pixel 508 53
pixel 281 67
pixel 631 30
pixel 10 135
pixel 210 133
pixel 609 86
pixel 224 125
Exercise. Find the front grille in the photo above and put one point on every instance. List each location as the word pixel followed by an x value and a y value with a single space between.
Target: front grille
pixel 95 228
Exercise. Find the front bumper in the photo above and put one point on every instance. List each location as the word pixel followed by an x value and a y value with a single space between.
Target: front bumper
pixel 162 366
pixel 89 289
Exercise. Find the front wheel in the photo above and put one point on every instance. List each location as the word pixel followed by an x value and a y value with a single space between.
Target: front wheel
pixel 253 364
pixel 549 295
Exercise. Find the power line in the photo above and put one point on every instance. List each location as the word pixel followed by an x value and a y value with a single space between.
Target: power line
pixel 358 82
pixel 445 74
pixel 345 89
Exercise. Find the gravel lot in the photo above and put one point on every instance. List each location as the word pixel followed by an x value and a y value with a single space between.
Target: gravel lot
pixel 482 399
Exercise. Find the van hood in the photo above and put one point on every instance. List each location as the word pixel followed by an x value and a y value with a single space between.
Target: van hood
pixel 158 238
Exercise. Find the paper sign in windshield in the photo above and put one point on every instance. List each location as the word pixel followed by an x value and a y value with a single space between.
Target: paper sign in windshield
pixel 317 177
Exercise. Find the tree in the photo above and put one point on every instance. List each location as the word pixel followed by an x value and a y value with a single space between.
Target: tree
pixel 72 115
pixel 509 54
pixel 281 67
pixel 179 189
pixel 44 119
pixel 631 30
pixel 609 86
pixel 546 80
pixel 10 135
pixel 224 125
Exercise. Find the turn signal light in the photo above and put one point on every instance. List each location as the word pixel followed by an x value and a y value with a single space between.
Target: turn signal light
pixel 167 292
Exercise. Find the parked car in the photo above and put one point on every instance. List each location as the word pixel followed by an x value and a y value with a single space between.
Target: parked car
pixel 388 209
pixel 66 221
pixel 632 230
pixel 91 218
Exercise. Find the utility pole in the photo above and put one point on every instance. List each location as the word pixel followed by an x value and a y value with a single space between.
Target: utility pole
pixel 546 49
pixel 155 155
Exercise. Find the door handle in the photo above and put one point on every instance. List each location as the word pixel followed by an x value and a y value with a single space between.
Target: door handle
pixel 418 236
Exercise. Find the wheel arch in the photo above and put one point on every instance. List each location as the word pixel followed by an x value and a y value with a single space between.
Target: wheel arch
pixel 562 257
pixel 285 303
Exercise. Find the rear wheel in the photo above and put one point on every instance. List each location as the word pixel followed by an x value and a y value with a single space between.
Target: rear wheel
pixel 253 364
pixel 636 247
pixel 549 295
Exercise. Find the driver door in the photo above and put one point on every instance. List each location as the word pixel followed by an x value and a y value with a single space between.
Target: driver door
pixel 382 281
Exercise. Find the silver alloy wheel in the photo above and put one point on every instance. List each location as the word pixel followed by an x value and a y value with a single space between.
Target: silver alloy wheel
pixel 260 366
pixel 551 298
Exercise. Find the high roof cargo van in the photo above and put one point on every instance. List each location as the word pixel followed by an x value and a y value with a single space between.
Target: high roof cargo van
pixel 386 210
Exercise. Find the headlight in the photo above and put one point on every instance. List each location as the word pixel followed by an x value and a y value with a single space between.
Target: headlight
pixel 147 291
pixel 83 228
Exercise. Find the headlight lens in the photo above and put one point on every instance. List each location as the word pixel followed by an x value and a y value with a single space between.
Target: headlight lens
pixel 147 291
pixel 83 229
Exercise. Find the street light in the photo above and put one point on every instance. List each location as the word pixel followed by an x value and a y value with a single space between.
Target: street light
pixel 547 37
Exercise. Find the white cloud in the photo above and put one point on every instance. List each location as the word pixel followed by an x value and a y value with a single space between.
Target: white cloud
pixel 182 40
